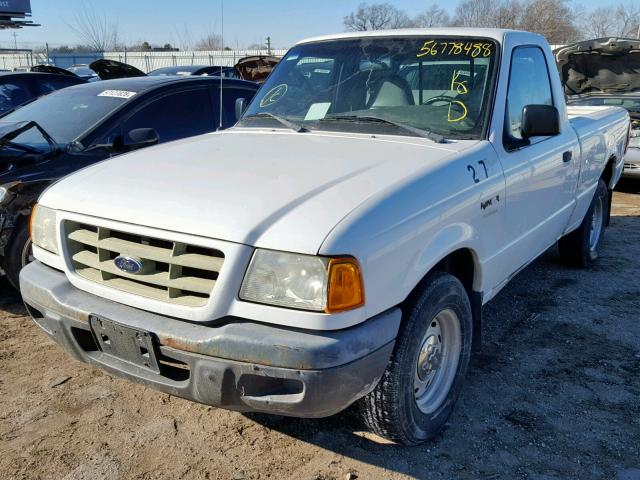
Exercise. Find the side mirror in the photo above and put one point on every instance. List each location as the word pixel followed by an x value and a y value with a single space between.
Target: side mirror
pixel 240 107
pixel 540 121
pixel 140 138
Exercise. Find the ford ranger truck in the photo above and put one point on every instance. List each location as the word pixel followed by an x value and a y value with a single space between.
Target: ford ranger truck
pixel 338 244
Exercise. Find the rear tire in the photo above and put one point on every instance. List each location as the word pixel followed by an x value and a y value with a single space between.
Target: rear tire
pixel 421 384
pixel 580 248
pixel 19 254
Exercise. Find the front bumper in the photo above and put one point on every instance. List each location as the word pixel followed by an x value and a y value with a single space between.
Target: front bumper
pixel 237 364
pixel 632 163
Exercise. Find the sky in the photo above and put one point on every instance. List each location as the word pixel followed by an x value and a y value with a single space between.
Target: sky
pixel 245 21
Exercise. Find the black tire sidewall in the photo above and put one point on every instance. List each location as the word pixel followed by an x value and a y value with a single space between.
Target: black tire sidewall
pixel 591 254
pixel 442 292
pixel 13 259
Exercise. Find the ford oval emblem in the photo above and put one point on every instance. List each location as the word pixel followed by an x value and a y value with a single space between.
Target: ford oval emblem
pixel 128 264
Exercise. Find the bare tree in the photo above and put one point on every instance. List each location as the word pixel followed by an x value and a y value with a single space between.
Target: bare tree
pixel 476 13
pixel 629 16
pixel 210 42
pixel 620 21
pixel 94 29
pixel 601 22
pixel 509 14
pixel 182 37
pixel 377 16
pixel 434 16
pixel 553 19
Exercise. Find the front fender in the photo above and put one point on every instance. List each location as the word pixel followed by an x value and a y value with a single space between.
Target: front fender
pixel 402 234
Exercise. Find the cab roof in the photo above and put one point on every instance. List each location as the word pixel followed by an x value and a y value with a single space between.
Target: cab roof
pixel 497 34
pixel 142 84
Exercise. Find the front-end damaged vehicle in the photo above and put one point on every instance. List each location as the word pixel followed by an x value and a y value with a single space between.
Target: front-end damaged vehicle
pixel 606 72
pixel 76 127
pixel 337 245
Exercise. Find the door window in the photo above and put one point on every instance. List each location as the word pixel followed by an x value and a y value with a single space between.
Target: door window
pixel 529 84
pixel 177 115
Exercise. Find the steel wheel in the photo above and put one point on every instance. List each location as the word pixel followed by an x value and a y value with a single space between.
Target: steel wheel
pixel 437 361
pixel 597 222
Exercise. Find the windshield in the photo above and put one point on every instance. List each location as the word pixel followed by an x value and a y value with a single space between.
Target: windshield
pixel 438 84
pixel 82 71
pixel 65 114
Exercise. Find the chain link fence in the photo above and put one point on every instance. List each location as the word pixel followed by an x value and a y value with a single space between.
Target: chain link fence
pixel 145 61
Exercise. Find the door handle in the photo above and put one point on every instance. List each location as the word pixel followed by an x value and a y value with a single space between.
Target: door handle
pixel 567 156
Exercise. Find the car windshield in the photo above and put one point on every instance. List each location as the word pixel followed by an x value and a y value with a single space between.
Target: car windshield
pixel 441 85
pixel 66 114
pixel 82 70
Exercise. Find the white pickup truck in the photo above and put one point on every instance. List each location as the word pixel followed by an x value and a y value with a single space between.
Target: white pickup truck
pixel 338 244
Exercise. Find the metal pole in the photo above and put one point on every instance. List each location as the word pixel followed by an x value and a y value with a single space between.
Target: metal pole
pixel 222 46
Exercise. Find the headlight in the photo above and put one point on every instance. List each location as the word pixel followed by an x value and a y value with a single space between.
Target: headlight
pixel 304 282
pixel 3 193
pixel 43 228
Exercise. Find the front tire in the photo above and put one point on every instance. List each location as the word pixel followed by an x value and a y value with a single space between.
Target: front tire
pixel 580 248
pixel 421 384
pixel 19 254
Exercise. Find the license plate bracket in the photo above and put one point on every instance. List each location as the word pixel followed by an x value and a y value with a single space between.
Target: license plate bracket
pixel 130 344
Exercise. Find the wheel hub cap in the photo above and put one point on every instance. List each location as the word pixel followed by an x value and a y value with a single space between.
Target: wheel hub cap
pixel 430 357
pixel 437 361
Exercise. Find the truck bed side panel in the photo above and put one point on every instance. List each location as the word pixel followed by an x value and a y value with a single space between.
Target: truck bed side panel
pixel 602 132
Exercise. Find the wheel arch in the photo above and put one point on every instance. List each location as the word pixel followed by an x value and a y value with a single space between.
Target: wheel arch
pixel 463 263
pixel 608 175
pixel 609 171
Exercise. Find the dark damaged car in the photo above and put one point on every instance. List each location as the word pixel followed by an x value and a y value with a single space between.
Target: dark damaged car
pixel 605 71
pixel 78 126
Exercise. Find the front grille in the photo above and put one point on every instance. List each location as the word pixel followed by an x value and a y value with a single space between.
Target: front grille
pixel 173 272
pixel 631 166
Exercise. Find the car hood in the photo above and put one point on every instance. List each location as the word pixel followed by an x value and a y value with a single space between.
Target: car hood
pixel 112 69
pixel 606 65
pixel 275 189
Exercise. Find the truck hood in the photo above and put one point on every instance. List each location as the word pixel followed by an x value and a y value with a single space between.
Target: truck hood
pixel 603 65
pixel 269 189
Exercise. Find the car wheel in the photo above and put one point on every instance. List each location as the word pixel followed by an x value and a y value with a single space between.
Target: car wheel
pixel 19 254
pixel 580 248
pixel 423 379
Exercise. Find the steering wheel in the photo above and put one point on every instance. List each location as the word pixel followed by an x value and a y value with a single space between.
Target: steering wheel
pixel 453 102
pixel 439 98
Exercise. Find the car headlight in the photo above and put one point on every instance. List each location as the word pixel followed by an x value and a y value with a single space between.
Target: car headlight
pixel 3 193
pixel 305 282
pixel 43 228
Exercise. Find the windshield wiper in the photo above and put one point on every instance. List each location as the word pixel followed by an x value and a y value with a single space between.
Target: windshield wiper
pixel 21 127
pixel 24 148
pixel 296 127
pixel 372 118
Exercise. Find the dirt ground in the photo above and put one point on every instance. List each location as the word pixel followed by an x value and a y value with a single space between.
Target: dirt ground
pixel 555 394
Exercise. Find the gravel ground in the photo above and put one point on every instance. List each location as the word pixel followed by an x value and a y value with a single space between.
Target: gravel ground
pixel 554 394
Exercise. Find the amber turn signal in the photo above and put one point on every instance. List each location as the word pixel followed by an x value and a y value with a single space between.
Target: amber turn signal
pixel 345 287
